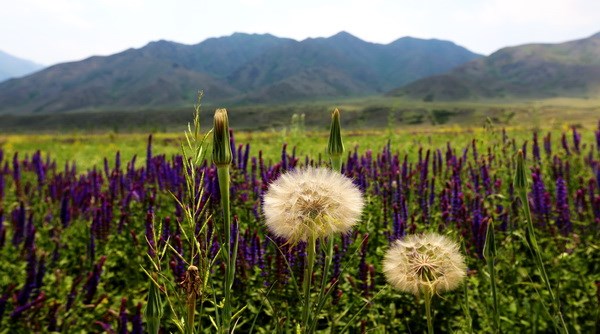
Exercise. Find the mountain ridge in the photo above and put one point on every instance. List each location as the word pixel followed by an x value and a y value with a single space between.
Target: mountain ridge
pixel 536 70
pixel 240 68
pixel 13 67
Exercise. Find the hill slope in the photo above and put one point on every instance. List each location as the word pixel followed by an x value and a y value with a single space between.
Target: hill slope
pixel 570 69
pixel 237 68
pixel 13 67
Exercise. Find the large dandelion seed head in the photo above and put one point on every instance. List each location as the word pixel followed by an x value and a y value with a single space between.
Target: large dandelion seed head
pixel 311 201
pixel 429 263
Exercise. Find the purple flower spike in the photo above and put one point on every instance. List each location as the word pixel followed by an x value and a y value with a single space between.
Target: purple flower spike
pixel 52 321
pixel 563 216
pixel 16 169
pixel 597 133
pixel 2 182
pixel 19 310
pixel 136 321
pixel 122 329
pixel 149 165
pixel 18 216
pixel 576 140
pixel 565 144
pixel 536 148
pixel 3 301
pixel 2 229
pixel 548 145
pixel 106 327
pixel 91 285
pixel 65 213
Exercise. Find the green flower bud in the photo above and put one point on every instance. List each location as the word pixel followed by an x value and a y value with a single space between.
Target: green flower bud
pixel 154 309
pixel 221 146
pixel 489 248
pixel 520 182
pixel 335 146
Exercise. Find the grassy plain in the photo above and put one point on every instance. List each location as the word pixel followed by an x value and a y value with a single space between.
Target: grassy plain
pixel 357 113
pixel 368 123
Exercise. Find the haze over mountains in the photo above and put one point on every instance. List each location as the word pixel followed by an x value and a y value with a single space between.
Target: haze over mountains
pixel 240 68
pixel 14 67
pixel 570 69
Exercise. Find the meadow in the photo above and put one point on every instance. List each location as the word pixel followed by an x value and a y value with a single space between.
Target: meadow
pixel 85 217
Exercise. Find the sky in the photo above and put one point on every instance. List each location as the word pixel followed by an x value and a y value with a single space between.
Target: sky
pixel 54 31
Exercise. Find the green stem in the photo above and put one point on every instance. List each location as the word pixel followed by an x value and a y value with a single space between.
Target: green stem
pixel 308 272
pixel 336 162
pixel 533 246
pixel 428 298
pixel 224 181
pixel 320 299
pixel 191 312
pixel 492 270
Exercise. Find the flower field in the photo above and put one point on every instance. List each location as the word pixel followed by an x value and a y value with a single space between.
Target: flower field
pixel 82 250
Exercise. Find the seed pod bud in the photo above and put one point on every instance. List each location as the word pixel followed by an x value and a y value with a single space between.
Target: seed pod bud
pixel 154 309
pixel 520 182
pixel 489 248
pixel 335 146
pixel 221 147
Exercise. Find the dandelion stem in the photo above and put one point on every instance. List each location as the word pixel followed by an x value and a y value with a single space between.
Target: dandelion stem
pixel 308 272
pixel 428 296
pixel 224 180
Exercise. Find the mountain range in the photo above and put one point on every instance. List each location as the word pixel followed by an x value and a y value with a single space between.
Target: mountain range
pixel 570 69
pixel 14 67
pixel 241 68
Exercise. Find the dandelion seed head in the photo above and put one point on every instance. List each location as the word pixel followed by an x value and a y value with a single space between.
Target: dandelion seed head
pixel 316 201
pixel 428 262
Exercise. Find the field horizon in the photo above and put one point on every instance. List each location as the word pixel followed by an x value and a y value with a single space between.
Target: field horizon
pixel 371 112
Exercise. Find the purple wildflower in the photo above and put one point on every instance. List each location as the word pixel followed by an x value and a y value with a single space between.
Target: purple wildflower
pixel 91 285
pixel 105 327
pixel 122 329
pixel 52 321
pixel 597 133
pixel 565 144
pixel 2 229
pixel 29 284
pixel 538 194
pixel 18 217
pixel 73 294
pixel 576 140
pixel 363 268
pixel 3 300
pixel 136 321
pixel 548 144
pixel 536 148
pixel 16 313
pixel 149 166
pixel 17 172
pixel 563 216
pixel 1 186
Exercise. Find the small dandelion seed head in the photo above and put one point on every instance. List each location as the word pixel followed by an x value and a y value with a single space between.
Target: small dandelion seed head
pixel 311 201
pixel 429 263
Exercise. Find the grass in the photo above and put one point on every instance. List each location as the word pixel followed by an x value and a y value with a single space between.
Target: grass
pixel 89 149
pixel 359 113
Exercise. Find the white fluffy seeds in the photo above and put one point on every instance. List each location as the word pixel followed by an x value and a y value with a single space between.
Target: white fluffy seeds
pixel 316 201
